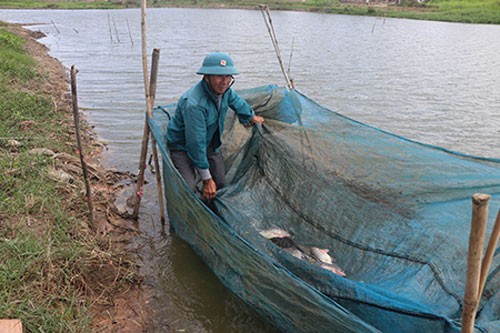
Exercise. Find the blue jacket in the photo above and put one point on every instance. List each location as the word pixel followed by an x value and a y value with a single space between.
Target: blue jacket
pixel 197 118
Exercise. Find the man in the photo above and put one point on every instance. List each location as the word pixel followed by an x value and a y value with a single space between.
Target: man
pixel 194 132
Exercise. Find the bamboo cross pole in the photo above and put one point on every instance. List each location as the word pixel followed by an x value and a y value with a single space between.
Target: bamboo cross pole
pixel 488 256
pixel 266 14
pixel 476 243
pixel 76 117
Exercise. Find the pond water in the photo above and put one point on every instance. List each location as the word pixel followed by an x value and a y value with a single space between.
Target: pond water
pixel 433 82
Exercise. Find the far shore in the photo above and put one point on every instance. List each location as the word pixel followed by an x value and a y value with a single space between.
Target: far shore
pixel 462 11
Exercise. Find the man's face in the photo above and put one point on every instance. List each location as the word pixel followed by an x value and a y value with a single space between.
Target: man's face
pixel 219 83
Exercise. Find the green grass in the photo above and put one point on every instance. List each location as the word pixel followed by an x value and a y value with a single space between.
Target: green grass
pixel 14 64
pixel 36 275
pixel 40 257
pixel 47 255
pixel 467 11
pixel 55 4
pixel 477 11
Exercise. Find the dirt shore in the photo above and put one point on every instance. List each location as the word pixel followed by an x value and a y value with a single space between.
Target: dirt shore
pixel 119 301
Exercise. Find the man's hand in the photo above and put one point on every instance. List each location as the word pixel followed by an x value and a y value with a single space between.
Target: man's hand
pixel 209 189
pixel 257 119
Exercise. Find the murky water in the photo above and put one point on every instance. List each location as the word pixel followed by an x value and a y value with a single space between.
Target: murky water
pixel 429 81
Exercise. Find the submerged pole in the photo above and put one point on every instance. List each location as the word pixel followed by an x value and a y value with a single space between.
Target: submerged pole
pixel 130 34
pixel 109 26
pixel 476 243
pixel 76 117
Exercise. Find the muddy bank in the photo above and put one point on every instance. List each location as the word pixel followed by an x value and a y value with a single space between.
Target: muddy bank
pixel 112 287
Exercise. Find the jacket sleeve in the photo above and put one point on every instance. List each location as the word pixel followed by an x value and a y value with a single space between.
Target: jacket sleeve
pixel 243 110
pixel 196 132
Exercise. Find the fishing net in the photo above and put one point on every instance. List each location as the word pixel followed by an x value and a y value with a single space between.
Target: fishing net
pixel 395 215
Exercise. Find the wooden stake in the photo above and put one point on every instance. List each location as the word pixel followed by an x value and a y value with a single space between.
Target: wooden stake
pixel 488 256
pixel 476 244
pixel 76 117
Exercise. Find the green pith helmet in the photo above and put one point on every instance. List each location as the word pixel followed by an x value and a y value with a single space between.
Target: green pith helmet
pixel 217 63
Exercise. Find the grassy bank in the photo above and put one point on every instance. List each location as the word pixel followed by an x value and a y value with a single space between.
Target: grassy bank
pixel 477 11
pixel 51 264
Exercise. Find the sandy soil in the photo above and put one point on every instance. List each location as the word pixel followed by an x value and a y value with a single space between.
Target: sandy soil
pixel 120 305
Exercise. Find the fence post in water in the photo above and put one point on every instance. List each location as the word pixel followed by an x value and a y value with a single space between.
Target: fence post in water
pixel 152 92
pixel 149 106
pixel 76 118
pixel 476 244
pixel 145 135
pixel 145 139
pixel 488 256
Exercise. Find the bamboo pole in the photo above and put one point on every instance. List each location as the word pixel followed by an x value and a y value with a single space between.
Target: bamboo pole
pixel 476 244
pixel 488 256
pixel 145 134
pixel 272 33
pixel 149 106
pixel 76 117
pixel 152 91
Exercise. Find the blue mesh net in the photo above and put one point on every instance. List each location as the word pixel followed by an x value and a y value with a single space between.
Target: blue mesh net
pixel 395 215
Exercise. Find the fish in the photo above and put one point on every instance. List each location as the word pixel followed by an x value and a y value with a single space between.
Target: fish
pixel 327 261
pixel 275 233
pixel 334 268
pixel 313 254
pixel 322 255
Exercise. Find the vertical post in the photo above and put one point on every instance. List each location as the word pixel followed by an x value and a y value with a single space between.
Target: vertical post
pixel 488 256
pixel 145 135
pixel 152 91
pixel 76 117
pixel 476 244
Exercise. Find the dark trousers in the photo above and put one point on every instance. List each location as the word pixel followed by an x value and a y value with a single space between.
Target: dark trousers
pixel 186 168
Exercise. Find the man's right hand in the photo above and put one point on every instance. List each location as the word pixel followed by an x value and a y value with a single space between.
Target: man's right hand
pixel 257 119
pixel 209 189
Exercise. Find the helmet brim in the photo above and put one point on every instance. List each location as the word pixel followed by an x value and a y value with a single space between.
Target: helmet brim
pixel 204 70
